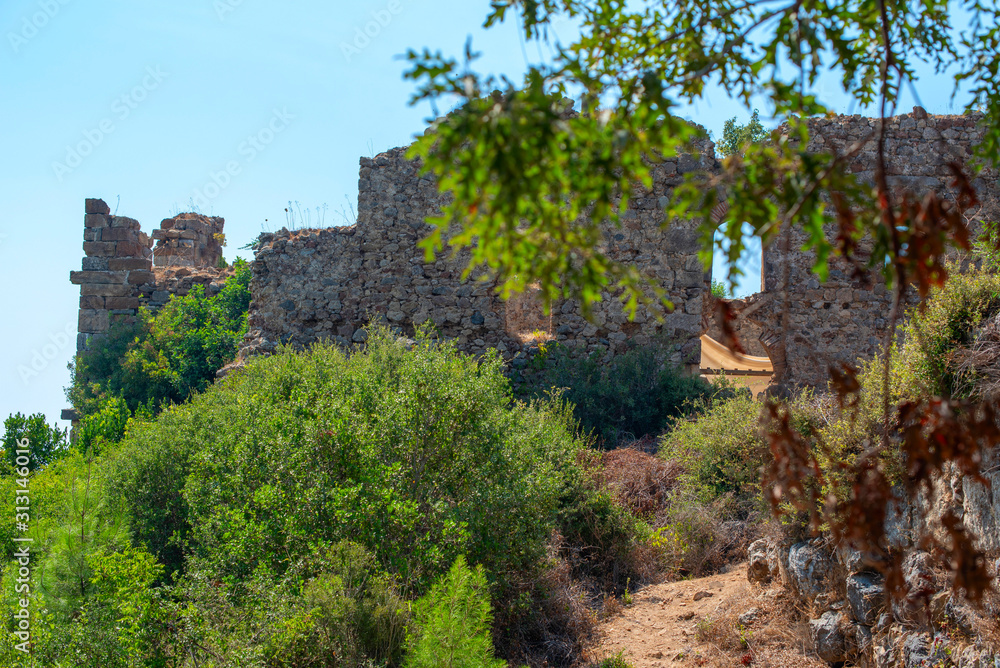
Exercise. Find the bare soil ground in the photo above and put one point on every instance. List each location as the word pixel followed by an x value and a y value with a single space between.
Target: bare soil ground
pixel 698 622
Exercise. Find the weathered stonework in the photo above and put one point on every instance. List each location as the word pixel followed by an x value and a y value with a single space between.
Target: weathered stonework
pixel 118 274
pixel 315 284
pixel 188 240
pixel 844 319
pixel 330 284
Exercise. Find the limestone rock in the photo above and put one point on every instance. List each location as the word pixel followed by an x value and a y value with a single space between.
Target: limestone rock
pixel 809 567
pixel 762 562
pixel 866 597
pixel 830 634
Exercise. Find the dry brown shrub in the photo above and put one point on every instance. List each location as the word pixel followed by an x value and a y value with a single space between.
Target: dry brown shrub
pixel 641 482
pixel 558 620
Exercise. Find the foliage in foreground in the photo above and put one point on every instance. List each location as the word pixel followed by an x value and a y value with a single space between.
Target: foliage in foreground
pixel 451 623
pixel 46 444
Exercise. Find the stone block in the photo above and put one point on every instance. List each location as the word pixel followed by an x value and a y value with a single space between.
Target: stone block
pixel 93 321
pixel 141 277
pixel 95 264
pixel 106 290
pixel 128 249
pixel 122 221
pixel 82 277
pixel 91 234
pixel 95 221
pixel 96 206
pixel 129 264
pixel 99 248
pixel 91 302
pixel 118 234
pixel 122 303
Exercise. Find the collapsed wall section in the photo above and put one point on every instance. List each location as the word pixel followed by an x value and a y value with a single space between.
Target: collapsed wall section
pixel 331 284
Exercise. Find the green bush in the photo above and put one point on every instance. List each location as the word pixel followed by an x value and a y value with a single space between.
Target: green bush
pixel 45 443
pixel 165 357
pixel 451 623
pixel 952 314
pixel 636 393
pixel 418 455
pixel 721 452
pixel 348 614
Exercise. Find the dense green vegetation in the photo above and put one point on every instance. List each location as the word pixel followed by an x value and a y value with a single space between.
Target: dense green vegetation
pixel 45 443
pixel 385 505
pixel 290 512
pixel 635 394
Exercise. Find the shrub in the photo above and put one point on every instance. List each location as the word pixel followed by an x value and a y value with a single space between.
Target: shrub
pixel 451 623
pixel 721 452
pixel 348 614
pixel 927 363
pixel 634 394
pixel 418 455
pixel 45 443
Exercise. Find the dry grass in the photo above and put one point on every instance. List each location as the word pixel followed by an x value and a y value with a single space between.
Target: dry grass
pixel 557 621
pixel 777 638
pixel 979 363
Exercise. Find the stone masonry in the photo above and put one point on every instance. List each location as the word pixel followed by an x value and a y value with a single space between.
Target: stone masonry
pixel 331 284
pixel 118 274
pixel 843 319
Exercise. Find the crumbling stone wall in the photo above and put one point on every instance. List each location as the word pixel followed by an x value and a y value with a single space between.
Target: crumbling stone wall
pixel 188 240
pixel 119 275
pixel 845 319
pixel 331 283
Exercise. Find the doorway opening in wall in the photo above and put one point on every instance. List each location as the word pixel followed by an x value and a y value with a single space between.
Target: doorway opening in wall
pixel 525 318
pixel 751 368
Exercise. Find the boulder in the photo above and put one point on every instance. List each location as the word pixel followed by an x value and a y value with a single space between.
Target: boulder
pixel 832 636
pixel 762 562
pixel 866 597
pixel 809 567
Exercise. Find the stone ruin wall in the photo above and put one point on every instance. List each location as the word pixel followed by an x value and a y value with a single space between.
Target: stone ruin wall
pixel 315 284
pixel 842 319
pixel 123 270
pixel 332 283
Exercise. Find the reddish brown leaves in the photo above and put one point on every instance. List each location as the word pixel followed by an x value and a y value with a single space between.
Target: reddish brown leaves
pixel 926 228
pixel 793 465
pixel 933 436
pixel 938 432
pixel 725 316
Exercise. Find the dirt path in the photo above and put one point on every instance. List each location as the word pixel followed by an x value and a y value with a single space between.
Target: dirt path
pixel 716 620
pixel 660 627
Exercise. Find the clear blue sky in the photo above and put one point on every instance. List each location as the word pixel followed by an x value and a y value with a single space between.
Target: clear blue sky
pixel 167 93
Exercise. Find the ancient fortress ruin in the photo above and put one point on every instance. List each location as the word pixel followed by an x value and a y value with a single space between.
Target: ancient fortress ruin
pixel 332 283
